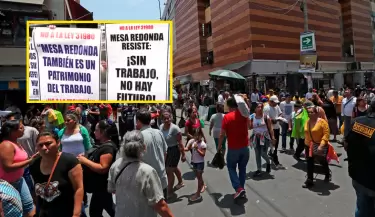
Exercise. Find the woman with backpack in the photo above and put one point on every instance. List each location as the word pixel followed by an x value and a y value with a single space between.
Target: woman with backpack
pixel 96 164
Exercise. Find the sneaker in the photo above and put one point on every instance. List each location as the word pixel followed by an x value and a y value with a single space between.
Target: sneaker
pixel 308 183
pixel 283 150
pixel 291 151
pixel 240 193
pixel 280 167
pixel 268 168
pixel 257 173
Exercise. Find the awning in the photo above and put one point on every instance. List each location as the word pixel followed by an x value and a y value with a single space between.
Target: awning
pixel 235 66
pixel 183 79
pixel 22 5
pixel 77 11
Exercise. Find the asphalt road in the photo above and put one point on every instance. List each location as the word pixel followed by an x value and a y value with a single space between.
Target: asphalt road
pixel 277 195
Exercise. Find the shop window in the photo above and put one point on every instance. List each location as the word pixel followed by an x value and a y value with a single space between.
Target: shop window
pixel 13 28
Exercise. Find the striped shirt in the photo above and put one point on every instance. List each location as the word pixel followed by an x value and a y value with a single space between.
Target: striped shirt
pixel 10 199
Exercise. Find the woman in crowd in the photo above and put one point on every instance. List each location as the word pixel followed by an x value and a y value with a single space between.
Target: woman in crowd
pixel 191 124
pixel 58 179
pixel 298 129
pixel 261 138
pixel 96 168
pixel 175 151
pixel 198 151
pixel 330 111
pixel 75 138
pixel 316 141
pixel 38 123
pixel 360 108
pixel 13 159
pixel 137 185
pixel 215 126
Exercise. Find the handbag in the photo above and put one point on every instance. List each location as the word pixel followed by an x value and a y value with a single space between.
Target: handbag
pixel 44 212
pixel 315 145
pixel 181 123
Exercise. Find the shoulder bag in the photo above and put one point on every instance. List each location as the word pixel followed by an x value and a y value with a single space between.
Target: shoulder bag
pixel 122 170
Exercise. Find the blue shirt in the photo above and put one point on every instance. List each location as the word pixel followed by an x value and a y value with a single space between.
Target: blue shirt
pixel 11 200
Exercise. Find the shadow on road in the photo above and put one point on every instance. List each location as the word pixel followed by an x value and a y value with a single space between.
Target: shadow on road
pixel 227 202
pixel 188 175
pixel 262 176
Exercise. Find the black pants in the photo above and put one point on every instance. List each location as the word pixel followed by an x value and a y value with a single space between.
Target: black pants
pixel 300 147
pixel 291 142
pixel 274 156
pixel 100 201
pixel 311 165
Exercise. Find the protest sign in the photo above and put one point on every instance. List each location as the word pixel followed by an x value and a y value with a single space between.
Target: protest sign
pixel 138 58
pixel 33 73
pixel 69 63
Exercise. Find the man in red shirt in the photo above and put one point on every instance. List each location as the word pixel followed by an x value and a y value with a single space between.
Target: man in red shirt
pixel 235 128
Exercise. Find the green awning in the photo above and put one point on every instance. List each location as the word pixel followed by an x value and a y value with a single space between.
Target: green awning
pixel 235 66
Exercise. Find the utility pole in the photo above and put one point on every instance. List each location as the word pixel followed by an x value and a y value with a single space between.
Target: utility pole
pixel 306 29
pixel 305 16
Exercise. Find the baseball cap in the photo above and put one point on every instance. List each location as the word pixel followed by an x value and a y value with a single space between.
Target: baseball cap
pixel 308 104
pixel 274 99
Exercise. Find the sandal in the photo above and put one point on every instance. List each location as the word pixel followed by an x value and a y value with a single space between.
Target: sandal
pixel 179 186
pixel 192 199
pixel 204 188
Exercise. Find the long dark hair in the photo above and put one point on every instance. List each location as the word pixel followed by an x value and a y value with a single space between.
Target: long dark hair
pixel 8 127
pixel 110 130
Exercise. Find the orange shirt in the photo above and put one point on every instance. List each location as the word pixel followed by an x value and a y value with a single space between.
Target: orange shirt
pixel 320 133
pixel 337 102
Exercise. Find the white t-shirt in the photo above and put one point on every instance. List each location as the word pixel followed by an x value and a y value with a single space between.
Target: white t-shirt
pixel 273 113
pixel 220 99
pixel 309 95
pixel 287 109
pixel 195 156
pixel 254 97
pixel 216 120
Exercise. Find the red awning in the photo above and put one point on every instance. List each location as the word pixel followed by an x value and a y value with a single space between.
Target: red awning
pixel 78 12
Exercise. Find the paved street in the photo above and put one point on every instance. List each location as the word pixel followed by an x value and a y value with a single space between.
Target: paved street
pixel 279 195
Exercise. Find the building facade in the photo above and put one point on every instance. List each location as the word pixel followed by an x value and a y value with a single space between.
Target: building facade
pixel 13 17
pixel 261 39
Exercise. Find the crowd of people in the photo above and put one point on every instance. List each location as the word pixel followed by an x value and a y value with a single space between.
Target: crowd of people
pixel 53 156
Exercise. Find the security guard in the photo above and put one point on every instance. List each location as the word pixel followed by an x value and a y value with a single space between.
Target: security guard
pixel 360 146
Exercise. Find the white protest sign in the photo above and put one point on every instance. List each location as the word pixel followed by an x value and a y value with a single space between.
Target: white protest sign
pixel 69 63
pixel 33 72
pixel 138 61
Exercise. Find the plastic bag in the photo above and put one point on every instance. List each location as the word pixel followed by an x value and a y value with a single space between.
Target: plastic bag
pixel 242 106
pixel 218 160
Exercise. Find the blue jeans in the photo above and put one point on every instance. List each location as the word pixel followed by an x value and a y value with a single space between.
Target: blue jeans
pixel 365 202
pixel 284 134
pixel 261 151
pixel 26 198
pixel 28 179
pixel 238 157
